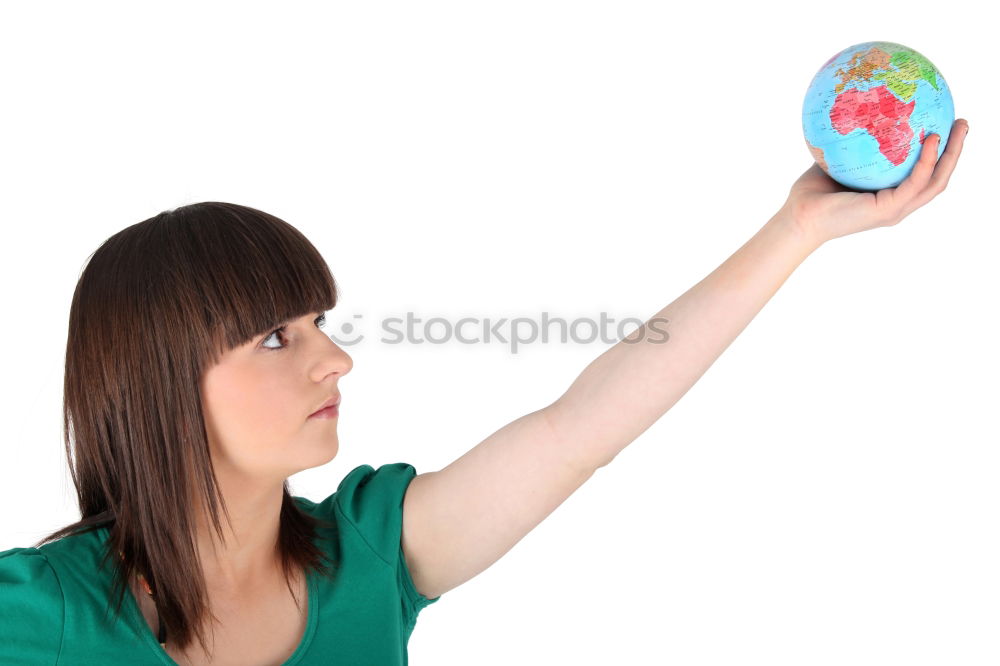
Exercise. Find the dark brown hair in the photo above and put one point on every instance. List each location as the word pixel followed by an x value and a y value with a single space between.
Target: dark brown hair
pixel 155 306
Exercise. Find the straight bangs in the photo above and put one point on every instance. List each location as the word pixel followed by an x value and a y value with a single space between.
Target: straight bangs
pixel 245 272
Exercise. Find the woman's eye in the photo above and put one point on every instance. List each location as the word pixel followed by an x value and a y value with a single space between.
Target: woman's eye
pixel 320 321
pixel 273 333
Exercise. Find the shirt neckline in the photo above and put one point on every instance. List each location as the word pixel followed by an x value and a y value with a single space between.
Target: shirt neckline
pixel 312 619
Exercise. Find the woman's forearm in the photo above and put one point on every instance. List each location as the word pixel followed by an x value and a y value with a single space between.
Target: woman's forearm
pixel 631 385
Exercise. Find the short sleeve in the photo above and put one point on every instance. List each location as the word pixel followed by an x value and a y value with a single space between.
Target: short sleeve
pixel 372 501
pixel 31 608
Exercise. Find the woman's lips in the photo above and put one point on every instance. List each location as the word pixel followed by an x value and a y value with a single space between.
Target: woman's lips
pixel 326 406
pixel 327 413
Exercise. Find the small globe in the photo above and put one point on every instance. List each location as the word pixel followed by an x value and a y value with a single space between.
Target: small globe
pixel 869 109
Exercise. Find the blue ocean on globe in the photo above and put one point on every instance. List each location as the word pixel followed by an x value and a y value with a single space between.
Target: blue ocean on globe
pixel 869 109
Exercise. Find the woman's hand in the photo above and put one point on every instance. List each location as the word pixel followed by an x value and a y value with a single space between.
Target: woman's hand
pixel 825 210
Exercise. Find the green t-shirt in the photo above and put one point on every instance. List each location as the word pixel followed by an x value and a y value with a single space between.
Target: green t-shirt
pixel 53 598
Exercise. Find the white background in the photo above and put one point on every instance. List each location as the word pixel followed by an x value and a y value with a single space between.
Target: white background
pixel 826 494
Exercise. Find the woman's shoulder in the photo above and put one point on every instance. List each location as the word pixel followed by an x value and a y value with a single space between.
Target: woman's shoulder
pixel 371 500
pixel 26 577
pixel 24 566
pixel 31 607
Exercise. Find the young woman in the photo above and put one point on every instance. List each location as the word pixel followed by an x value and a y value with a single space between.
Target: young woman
pixel 198 377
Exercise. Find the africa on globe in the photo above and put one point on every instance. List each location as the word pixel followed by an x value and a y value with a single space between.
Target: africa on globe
pixel 869 109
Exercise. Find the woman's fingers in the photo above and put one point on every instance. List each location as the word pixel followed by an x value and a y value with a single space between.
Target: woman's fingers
pixel 930 174
pixel 945 165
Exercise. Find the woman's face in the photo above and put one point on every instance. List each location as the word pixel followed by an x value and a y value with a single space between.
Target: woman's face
pixel 258 398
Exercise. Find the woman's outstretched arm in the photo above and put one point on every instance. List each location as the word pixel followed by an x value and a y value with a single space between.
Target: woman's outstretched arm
pixel 459 520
